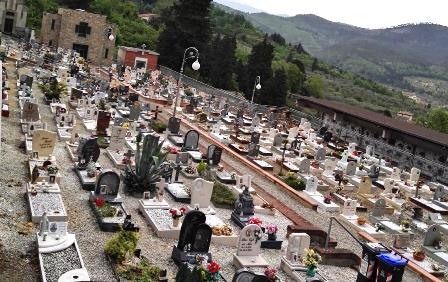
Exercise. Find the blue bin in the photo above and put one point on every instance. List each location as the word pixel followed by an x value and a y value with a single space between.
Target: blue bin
pixel 390 267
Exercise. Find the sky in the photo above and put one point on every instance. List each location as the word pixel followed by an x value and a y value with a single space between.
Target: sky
pixel 362 13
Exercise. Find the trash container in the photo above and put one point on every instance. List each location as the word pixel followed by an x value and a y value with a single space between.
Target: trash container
pixel 390 267
pixel 369 262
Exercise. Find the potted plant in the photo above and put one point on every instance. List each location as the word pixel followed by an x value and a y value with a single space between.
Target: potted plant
pixel 272 230
pixel 52 170
pixel 419 254
pixel 405 223
pixel 271 273
pixel 201 167
pixel 311 260
pixel 361 220
pixel 213 271
pixel 176 214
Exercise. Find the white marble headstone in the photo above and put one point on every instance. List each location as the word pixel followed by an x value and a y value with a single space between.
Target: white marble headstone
pixel 201 193
pixel 396 172
pixel 248 244
pixel 349 208
pixel 415 175
pixel 297 243
pixel 311 184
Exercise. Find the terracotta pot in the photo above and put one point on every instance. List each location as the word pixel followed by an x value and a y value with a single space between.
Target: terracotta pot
pixel 419 256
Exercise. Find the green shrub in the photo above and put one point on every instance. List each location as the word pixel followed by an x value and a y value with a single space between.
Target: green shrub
pixel 122 244
pixel 107 210
pixel 159 127
pixel 222 195
pixel 201 167
pixel 294 182
pixel 144 271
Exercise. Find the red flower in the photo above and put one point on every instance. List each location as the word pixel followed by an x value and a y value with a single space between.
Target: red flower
pixel 213 267
pixel 99 202
pixel 255 220
pixel 183 210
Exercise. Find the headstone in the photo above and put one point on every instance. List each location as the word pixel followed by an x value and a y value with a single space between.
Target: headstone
pixel 134 111
pixel 349 208
pixel 374 172
pixel 216 157
pixel 379 208
pixel 249 247
pixel 43 143
pixel 102 123
pixel 244 205
pixel 30 112
pixel 351 148
pixel 255 137
pixel 365 186
pixel 108 184
pixel 369 150
pixel 182 157
pixel 388 185
pixel 304 166
pixel 191 140
pixel 402 241
pixel 297 243
pixel 329 165
pixel 117 138
pixel 344 156
pixel 311 185
pixel 278 139
pixel 189 226
pixel 201 193
pixel 210 149
pixel 253 150
pixel 433 236
pixel 396 173
pixel 440 193
pixel 415 175
pixel 320 154
pixel 174 125
pixel 350 170
pixel 87 151
pixel 255 121
pixel 245 275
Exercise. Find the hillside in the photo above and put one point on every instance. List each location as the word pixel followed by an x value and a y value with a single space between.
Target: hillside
pixel 389 55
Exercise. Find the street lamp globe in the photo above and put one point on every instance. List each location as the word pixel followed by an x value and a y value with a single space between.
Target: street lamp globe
pixel 258 86
pixel 196 65
pixel 111 37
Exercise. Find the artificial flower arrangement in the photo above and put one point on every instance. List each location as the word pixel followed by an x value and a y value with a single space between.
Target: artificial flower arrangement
pixel 327 198
pixel 177 213
pixel 190 169
pixel 311 260
pixel 271 273
pixel 255 220
pixel 99 202
pixel 272 228
pixel 172 150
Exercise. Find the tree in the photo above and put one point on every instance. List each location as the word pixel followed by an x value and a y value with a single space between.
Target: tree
pixel 224 63
pixel 280 83
pixel 315 86
pixel 242 78
pixel 315 65
pixel 436 119
pixel 277 38
pixel 187 23
pixel 300 49
pixel 260 62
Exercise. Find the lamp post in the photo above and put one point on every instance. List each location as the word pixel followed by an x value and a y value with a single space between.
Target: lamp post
pixel 257 86
pixel 192 53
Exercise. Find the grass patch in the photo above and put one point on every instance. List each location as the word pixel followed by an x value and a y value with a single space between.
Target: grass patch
pixel 107 210
pixel 143 271
pixel 295 183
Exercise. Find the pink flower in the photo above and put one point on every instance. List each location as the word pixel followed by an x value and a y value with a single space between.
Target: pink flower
pixel 272 229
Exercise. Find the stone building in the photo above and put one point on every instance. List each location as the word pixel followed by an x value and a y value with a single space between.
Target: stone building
pixel 88 34
pixel 13 15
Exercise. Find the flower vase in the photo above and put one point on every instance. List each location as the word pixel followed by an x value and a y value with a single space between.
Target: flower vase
pixel 311 271
pixel 272 237
pixel 176 222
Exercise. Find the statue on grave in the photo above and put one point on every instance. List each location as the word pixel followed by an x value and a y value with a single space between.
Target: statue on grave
pixel 245 203
pixel 34 174
pixel 44 224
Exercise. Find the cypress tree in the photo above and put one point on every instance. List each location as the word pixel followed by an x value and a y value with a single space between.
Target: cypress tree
pixel 260 62
pixel 187 23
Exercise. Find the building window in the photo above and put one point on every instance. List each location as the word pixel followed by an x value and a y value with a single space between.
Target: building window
pixel 50 43
pixel 106 53
pixel 83 29
pixel 140 64
pixel 53 22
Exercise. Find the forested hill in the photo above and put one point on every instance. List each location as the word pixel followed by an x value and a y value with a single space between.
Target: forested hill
pixel 234 52
pixel 411 56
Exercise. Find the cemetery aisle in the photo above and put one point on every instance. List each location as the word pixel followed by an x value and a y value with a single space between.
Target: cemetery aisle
pixel 18 261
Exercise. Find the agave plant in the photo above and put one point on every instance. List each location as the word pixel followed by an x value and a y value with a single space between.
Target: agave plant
pixel 148 163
